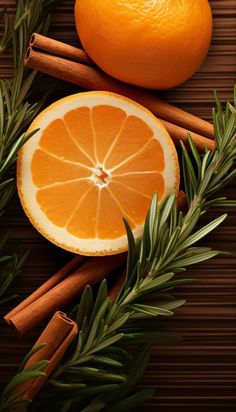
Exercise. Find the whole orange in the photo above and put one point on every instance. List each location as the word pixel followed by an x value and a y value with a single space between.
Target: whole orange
pixel 156 44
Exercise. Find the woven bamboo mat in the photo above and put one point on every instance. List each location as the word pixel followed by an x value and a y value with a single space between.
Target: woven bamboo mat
pixel 198 373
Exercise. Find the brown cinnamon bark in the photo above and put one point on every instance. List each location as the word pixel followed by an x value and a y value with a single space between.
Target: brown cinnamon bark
pixel 181 201
pixel 116 287
pixel 57 336
pixel 92 271
pixel 60 49
pixel 158 106
pixel 179 134
pixel 92 78
pixel 49 284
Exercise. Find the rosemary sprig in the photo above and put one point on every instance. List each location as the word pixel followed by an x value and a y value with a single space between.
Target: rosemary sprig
pixel 10 266
pixel 12 399
pixel 98 359
pixel 16 113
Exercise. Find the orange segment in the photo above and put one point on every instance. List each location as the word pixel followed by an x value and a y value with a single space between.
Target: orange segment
pixel 97 157
pixel 83 222
pixel 48 170
pixel 134 204
pixel 125 147
pixel 57 141
pixel 109 224
pixel 107 122
pixel 59 210
pixel 146 183
pixel 151 158
pixel 79 126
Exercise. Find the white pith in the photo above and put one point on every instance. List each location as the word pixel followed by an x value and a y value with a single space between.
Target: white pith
pixel 97 173
pixel 28 191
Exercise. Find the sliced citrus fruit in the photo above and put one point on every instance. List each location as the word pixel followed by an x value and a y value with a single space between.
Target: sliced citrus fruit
pixel 97 157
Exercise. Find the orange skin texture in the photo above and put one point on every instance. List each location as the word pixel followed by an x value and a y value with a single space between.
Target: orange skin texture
pixel 155 44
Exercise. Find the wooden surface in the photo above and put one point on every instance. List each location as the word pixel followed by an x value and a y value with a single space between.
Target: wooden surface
pixel 198 373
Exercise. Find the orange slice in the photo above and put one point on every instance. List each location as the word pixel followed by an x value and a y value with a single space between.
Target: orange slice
pixel 97 157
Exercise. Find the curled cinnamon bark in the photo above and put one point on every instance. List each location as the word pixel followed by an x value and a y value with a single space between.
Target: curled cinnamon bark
pixel 57 337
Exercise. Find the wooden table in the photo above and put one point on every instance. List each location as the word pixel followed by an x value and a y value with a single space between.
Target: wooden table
pixel 198 373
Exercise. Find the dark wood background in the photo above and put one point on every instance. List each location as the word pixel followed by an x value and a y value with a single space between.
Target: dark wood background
pixel 198 373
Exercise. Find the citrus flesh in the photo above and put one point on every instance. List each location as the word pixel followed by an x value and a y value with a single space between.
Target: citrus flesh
pixel 97 157
pixel 153 44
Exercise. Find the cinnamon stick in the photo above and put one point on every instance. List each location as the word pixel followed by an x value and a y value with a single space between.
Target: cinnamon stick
pixel 158 106
pixel 94 79
pixel 49 284
pixel 116 287
pixel 51 46
pixel 92 271
pixel 179 134
pixel 181 201
pixel 57 336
